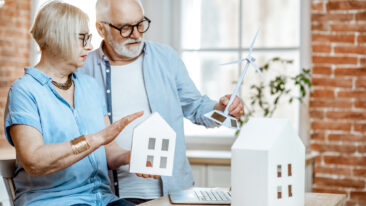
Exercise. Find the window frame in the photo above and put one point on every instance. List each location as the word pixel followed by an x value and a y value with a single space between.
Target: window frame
pixel 304 50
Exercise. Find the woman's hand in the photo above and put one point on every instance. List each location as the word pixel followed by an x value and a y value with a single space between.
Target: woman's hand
pixel 108 134
pixel 116 156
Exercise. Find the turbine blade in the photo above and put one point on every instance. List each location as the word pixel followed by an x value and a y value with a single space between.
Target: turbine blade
pixel 252 44
pixel 234 62
pixel 258 70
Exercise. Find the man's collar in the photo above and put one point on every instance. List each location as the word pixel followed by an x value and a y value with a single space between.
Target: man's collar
pixel 101 54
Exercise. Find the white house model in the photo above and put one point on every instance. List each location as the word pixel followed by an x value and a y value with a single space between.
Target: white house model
pixel 268 165
pixel 153 146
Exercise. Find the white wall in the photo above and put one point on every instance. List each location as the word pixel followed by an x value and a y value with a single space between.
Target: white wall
pixel 163 14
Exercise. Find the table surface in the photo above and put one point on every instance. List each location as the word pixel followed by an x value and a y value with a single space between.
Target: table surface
pixel 311 199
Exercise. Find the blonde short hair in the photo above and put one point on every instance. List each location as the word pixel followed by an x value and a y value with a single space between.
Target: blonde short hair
pixel 57 27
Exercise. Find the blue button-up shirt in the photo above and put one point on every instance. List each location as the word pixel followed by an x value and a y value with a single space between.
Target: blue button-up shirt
pixel 170 92
pixel 34 101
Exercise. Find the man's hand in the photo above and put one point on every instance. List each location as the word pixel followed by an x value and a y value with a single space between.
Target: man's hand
pixel 236 109
pixel 128 155
pixel 147 175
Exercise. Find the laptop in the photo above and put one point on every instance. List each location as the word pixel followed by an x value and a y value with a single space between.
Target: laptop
pixel 201 196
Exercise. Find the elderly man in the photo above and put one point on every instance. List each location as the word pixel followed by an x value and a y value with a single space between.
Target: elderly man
pixel 141 75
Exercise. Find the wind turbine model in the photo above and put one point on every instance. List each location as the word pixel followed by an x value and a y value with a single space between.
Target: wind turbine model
pixel 223 118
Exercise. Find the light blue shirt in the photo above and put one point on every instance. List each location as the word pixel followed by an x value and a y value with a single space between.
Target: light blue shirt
pixel 171 93
pixel 34 101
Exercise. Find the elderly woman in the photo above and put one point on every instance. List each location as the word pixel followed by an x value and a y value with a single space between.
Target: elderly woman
pixel 56 119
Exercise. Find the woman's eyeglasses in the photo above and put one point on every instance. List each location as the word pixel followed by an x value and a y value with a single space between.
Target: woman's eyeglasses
pixel 86 38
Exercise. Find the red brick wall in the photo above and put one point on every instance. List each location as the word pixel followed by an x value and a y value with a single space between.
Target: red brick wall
pixel 338 104
pixel 14 48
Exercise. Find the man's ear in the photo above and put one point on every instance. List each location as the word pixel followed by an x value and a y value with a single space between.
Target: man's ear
pixel 101 30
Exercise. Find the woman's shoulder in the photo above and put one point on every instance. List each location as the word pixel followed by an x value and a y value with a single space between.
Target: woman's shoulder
pixel 25 87
pixel 24 83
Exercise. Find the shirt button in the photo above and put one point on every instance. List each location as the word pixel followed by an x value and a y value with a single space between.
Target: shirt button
pixel 109 114
pixel 108 91
pixel 107 70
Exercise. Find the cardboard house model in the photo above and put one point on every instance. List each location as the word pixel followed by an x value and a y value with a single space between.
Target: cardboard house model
pixel 268 165
pixel 153 147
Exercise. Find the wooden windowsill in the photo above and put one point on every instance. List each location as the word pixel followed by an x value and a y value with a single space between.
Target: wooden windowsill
pixel 223 157
pixel 205 157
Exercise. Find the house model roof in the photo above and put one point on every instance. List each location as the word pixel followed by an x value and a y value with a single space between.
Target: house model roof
pixel 155 123
pixel 262 133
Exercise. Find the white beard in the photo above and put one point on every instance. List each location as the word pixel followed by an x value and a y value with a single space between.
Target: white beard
pixel 123 50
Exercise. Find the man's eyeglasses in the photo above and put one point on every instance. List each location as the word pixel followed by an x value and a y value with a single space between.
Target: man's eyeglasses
pixel 86 38
pixel 127 29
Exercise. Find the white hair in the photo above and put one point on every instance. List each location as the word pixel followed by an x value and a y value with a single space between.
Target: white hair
pixel 103 6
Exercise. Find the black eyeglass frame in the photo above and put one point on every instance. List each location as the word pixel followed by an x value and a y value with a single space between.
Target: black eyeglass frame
pixel 132 26
pixel 86 38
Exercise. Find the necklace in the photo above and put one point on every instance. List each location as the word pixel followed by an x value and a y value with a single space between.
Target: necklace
pixel 64 86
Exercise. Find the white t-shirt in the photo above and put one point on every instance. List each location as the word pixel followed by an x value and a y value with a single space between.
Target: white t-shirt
pixel 129 96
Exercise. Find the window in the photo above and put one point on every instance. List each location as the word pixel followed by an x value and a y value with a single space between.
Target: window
pixel 290 190
pixel 151 145
pixel 165 145
pixel 279 192
pixel 279 171
pixel 150 161
pixel 289 169
pixel 219 31
pixel 163 162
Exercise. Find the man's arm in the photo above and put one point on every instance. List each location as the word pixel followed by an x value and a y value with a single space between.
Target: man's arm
pixel 194 105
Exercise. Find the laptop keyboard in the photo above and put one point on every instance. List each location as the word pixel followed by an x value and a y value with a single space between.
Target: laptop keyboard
pixel 213 195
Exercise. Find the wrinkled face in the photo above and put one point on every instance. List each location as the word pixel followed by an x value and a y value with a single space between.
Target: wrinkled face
pixel 125 13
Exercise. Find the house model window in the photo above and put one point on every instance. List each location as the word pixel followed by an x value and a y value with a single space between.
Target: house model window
pixel 279 170
pixel 279 192
pixel 279 174
pixel 153 147
pixel 289 169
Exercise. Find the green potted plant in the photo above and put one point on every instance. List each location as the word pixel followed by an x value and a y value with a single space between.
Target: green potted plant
pixel 266 97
